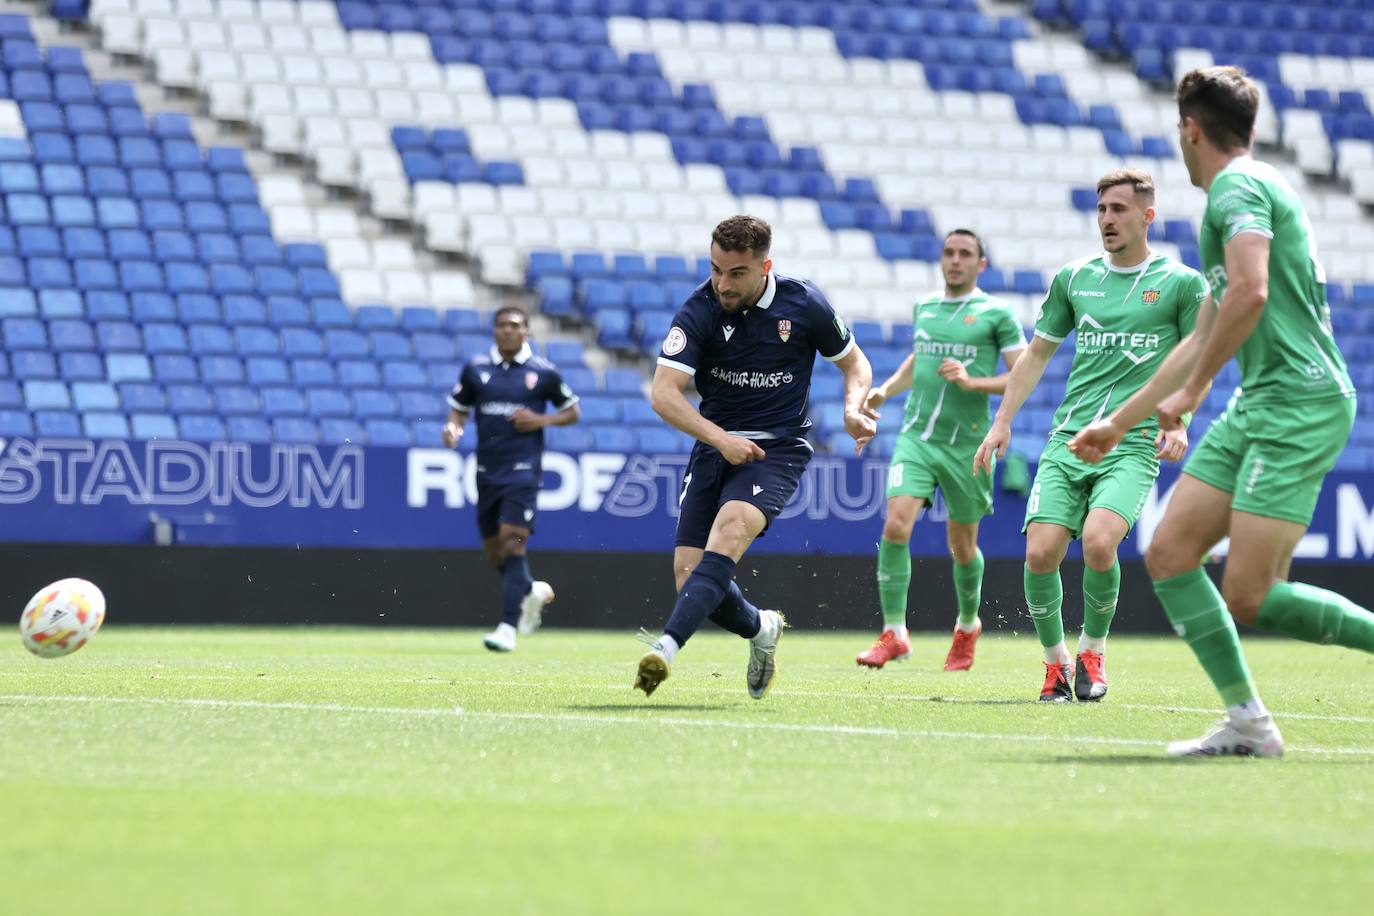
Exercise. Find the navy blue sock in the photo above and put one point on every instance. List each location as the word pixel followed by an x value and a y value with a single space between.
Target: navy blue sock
pixel 701 595
pixel 736 614
pixel 516 581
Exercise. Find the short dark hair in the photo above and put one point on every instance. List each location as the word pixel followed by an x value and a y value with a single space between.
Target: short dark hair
pixel 744 233
pixel 511 310
pixel 971 234
pixel 1224 101
pixel 1142 185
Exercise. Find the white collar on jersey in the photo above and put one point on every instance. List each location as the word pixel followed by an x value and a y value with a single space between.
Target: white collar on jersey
pixel 964 298
pixel 769 291
pixel 520 358
pixel 1133 269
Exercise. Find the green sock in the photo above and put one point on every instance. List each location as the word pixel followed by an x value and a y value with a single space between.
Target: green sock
pixel 1045 602
pixel 1100 590
pixel 968 588
pixel 1199 615
pixel 894 578
pixel 1315 615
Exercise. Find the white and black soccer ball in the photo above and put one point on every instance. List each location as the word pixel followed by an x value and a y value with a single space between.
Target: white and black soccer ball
pixel 62 618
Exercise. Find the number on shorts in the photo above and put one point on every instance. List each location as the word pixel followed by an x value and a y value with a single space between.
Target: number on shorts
pixel 1033 503
pixel 894 475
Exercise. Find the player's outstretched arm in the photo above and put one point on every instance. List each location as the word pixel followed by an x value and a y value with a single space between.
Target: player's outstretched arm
pixel 669 400
pixel 895 384
pixel 1093 442
pixel 860 420
pixel 1026 372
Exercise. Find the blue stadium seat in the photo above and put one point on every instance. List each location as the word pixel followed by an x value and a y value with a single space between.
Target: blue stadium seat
pixel 15 423
pixel 202 428
pixel 33 364
pixel 328 402
pixel 284 311
pixel 624 381
pixel 80 367
pixel 417 405
pixel 153 426
pixel 657 439
pixel 248 429
pixel 613 438
pixel 399 374
pixel 568 439
pixel 373 403
pixel 581 381
pixel 358 373
pixel 86 396
pixel 236 400
pixel 282 402
pixel 415 318
pixel 638 412
pixel 221 369
pixel 164 338
pixel 309 372
pixel 105 425
pixel 128 367
pixel 175 367
pixel 432 347
pixel 388 432
pixel 189 399
pixel 266 370
pixel 389 345
pixel 376 317
pixel 340 431
pixel 56 423
pixel 250 340
pixel 18 302
pixel 11 397
pixel 345 344
pixel 141 396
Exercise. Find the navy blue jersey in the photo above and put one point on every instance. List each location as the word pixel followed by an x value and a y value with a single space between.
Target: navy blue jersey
pixel 497 389
pixel 753 366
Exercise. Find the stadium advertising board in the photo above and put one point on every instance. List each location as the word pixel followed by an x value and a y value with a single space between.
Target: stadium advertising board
pixel 235 494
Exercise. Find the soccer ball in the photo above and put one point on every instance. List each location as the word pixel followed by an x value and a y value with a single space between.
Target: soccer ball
pixel 62 618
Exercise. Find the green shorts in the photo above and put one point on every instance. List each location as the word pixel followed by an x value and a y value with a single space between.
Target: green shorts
pixel 1067 489
pixel 1272 458
pixel 918 468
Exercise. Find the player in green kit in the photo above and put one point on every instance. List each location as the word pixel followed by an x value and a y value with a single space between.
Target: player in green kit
pixel 1129 307
pixel 951 371
pixel 1256 474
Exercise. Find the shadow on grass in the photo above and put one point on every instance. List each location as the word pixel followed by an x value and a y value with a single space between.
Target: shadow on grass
pixel 1160 759
pixel 649 706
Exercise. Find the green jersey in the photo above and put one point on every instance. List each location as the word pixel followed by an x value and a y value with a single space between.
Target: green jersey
pixel 975 330
pixel 1127 320
pixel 1291 354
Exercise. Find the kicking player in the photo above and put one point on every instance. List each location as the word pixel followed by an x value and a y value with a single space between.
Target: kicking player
pixel 1129 307
pixel 510 387
pixel 749 337
pixel 1256 474
pixel 951 372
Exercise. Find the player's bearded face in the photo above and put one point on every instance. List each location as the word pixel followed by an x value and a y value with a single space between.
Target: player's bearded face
pixel 737 277
pixel 1121 218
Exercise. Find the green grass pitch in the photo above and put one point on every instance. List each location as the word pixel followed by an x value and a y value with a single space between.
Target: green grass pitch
pixel 340 771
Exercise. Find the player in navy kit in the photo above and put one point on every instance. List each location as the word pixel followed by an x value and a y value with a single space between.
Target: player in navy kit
pixel 509 388
pixel 749 339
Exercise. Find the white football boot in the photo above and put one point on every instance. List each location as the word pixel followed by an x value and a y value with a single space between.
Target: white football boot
pixel 1256 737
pixel 763 654
pixel 501 639
pixel 532 606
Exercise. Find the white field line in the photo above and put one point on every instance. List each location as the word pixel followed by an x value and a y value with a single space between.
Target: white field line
pixel 578 719
pixel 440 680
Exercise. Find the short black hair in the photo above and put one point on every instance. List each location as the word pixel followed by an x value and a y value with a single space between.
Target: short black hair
pixel 744 233
pixel 511 310
pixel 1224 101
pixel 971 234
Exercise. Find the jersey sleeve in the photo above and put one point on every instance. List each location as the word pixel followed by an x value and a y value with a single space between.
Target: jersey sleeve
pixel 683 345
pixel 1190 299
pixel 1239 206
pixel 560 395
pixel 829 334
pixel 464 393
pixel 1008 331
pixel 1054 321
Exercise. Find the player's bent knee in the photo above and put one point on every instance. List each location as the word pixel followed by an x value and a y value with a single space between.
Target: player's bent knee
pixel 895 532
pixel 1243 601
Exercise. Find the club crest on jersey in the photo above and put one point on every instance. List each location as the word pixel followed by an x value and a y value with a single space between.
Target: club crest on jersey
pixel 784 329
pixel 1150 296
pixel 970 319
pixel 531 379
pixel 485 376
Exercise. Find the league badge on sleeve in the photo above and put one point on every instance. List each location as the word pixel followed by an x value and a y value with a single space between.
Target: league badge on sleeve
pixel 675 342
pixel 784 329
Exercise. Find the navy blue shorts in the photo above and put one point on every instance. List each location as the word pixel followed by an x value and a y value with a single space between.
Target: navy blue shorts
pixel 710 482
pixel 509 504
